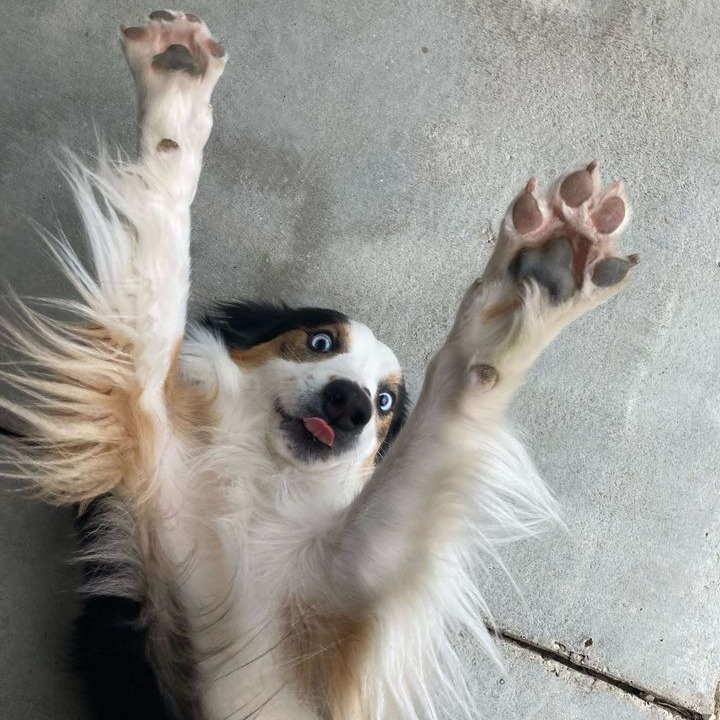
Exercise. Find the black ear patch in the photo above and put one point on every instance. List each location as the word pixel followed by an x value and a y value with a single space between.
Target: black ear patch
pixel 400 415
pixel 245 324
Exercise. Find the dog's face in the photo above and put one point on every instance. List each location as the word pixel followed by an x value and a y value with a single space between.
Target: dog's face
pixel 331 391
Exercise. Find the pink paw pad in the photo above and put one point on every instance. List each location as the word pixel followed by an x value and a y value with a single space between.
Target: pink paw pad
pixel 174 42
pixel 566 239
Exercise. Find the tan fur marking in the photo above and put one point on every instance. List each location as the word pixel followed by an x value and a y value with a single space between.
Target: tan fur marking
pixel 89 432
pixel 293 346
pixel 327 651
pixel 191 410
pixel 392 382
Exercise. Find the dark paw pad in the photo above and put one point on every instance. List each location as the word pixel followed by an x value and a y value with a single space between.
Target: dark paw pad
pixel 550 266
pixel 176 57
pixel 612 270
pixel 162 15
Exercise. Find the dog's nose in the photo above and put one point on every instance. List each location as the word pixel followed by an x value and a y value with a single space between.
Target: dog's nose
pixel 346 405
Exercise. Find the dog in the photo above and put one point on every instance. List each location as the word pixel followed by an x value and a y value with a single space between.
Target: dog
pixel 265 529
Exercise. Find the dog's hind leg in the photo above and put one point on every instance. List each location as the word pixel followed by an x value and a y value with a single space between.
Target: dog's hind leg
pixel 98 412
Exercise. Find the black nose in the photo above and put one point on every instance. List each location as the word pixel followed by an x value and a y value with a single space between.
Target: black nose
pixel 346 405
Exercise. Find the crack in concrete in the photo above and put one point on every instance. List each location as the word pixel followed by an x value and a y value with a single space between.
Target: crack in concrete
pixel 574 660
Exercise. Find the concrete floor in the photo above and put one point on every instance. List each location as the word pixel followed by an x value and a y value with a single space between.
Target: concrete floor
pixel 361 154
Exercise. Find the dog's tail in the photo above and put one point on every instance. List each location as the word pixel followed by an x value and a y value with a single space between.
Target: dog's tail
pixel 79 384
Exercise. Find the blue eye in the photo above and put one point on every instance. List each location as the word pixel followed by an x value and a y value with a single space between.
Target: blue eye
pixel 321 342
pixel 385 401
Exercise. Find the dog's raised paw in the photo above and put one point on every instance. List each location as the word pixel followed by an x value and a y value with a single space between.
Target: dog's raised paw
pixel 564 240
pixel 176 63
pixel 172 42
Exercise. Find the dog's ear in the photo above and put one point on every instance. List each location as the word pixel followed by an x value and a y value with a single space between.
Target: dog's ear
pixel 400 415
pixel 245 324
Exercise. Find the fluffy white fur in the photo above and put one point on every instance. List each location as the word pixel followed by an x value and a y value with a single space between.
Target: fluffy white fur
pixel 262 548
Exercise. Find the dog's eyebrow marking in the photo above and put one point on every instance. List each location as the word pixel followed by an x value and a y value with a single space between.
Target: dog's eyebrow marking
pixel 293 345
pixel 392 381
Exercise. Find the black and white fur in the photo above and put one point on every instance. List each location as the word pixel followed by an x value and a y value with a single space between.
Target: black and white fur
pixel 241 559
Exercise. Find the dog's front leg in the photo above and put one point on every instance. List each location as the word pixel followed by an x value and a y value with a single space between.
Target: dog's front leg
pixel 454 474
pixel 175 63
pixel 103 407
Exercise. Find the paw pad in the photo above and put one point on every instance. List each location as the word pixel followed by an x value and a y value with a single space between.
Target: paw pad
pixel 174 42
pixel 526 213
pixel 577 187
pixel 609 216
pixel 550 265
pixel 167 145
pixel 611 271
pixel 564 241
pixel 176 57
pixel 162 15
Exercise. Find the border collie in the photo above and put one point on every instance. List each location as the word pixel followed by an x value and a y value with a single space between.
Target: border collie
pixel 265 530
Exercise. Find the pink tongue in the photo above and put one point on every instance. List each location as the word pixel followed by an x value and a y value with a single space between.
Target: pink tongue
pixel 320 429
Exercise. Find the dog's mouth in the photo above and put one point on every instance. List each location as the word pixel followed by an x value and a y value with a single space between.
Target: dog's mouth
pixel 314 428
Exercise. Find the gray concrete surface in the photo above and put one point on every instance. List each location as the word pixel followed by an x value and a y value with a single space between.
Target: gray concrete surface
pixel 37 604
pixel 362 152
pixel 534 689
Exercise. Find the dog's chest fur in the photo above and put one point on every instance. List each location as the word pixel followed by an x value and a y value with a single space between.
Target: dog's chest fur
pixel 236 526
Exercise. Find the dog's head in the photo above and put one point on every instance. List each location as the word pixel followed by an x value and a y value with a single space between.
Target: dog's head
pixel 331 390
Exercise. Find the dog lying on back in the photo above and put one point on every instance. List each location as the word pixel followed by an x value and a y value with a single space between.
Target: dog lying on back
pixel 265 531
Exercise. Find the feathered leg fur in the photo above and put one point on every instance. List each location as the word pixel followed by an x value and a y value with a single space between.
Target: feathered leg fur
pixel 95 389
pixel 101 399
